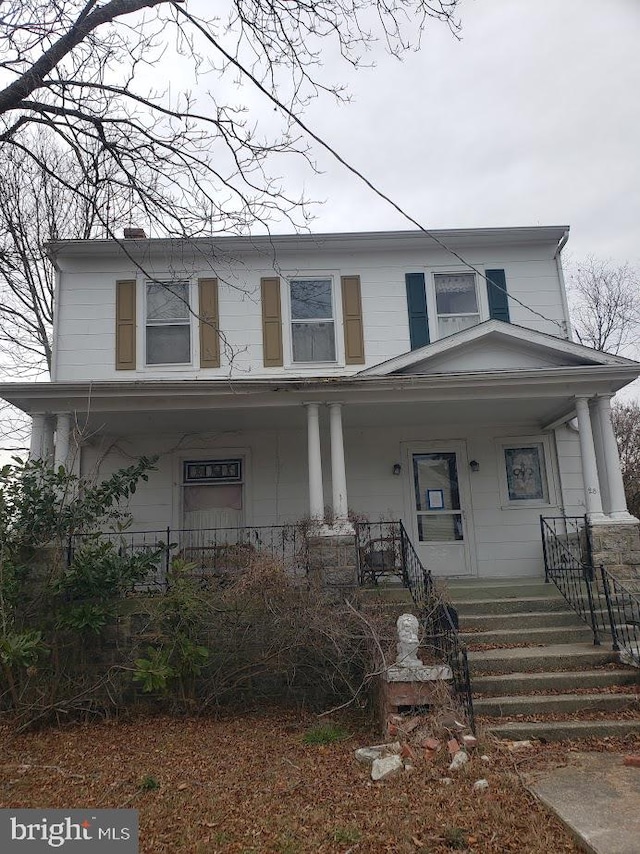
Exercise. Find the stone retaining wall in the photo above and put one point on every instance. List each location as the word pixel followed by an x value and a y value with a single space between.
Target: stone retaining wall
pixel 617 547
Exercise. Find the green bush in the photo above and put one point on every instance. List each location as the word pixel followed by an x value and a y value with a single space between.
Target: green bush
pixel 48 608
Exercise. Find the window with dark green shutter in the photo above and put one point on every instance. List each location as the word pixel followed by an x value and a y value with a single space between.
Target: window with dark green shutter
pixel 497 295
pixel 417 308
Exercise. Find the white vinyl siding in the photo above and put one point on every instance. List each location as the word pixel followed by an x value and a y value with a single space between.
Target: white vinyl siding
pixel 84 346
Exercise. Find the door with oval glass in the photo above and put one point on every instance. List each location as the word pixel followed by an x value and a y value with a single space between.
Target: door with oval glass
pixel 440 498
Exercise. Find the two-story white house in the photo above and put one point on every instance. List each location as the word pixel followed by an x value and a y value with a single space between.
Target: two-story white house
pixel 294 376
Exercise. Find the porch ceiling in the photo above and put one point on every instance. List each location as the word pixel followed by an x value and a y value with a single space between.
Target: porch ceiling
pixel 461 415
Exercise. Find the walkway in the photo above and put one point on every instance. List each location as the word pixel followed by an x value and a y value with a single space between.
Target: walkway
pixel 598 800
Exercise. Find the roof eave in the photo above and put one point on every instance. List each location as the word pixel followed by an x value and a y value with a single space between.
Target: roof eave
pixel 454 237
pixel 38 397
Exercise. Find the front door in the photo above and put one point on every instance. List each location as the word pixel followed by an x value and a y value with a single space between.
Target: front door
pixel 439 501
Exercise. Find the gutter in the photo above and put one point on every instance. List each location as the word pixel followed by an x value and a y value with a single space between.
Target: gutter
pixel 514 383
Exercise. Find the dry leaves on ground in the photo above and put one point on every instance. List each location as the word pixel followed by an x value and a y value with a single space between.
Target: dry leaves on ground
pixel 248 783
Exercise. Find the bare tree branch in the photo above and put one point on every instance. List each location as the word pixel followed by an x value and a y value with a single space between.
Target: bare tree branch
pixel 190 160
pixel 626 423
pixel 605 304
pixel 89 141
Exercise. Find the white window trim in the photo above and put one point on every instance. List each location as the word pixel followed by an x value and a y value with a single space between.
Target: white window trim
pixel 506 442
pixel 287 335
pixel 142 313
pixel 432 307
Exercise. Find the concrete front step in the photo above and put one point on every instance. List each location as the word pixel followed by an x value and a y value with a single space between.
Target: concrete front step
pixel 465 591
pixel 509 684
pixel 384 594
pixel 560 660
pixel 524 620
pixel 561 730
pixel 552 657
pixel 527 604
pixel 551 704
pixel 555 634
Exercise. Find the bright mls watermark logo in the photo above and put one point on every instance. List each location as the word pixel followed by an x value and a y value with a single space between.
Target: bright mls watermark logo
pixel 36 831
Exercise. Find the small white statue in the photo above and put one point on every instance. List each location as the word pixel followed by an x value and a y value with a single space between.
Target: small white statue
pixel 408 642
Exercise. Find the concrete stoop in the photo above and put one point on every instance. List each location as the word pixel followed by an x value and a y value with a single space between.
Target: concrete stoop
pixel 535 671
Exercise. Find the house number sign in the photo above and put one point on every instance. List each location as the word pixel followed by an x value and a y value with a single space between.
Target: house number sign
pixel 213 471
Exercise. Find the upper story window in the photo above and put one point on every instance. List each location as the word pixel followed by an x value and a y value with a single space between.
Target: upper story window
pixel 168 323
pixel 456 302
pixel 313 337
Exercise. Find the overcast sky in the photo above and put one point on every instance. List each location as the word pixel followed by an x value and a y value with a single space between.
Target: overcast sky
pixel 532 117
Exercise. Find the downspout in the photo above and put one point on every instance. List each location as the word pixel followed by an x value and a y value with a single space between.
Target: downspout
pixel 563 290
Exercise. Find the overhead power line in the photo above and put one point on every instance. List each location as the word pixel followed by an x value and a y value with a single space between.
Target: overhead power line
pixel 230 58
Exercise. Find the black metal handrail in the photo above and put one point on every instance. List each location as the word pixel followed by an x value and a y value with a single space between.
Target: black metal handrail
pixel 211 553
pixel 385 551
pixel 623 608
pixel 566 548
pixel 566 542
pixel 439 623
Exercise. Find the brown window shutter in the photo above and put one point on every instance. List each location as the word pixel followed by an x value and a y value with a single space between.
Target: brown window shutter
pixel 352 319
pixel 271 323
pixel 209 323
pixel 126 325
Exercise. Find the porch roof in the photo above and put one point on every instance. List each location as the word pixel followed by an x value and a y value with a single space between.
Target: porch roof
pixel 540 395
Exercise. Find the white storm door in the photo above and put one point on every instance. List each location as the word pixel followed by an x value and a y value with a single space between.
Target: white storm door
pixel 440 498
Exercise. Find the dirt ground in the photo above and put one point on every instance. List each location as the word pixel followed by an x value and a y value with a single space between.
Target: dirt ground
pixel 249 783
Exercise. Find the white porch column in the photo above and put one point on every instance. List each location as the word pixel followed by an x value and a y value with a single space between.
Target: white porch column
pixel 601 461
pixel 36 446
pixel 338 471
pixel 592 500
pixel 63 437
pixel 47 439
pixel 316 496
pixel 617 499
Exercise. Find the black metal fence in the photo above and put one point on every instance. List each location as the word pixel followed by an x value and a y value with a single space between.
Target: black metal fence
pixel 215 554
pixel 385 552
pixel 568 564
pixel 623 608
pixel 379 549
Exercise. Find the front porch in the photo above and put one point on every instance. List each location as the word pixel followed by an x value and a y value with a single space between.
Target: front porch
pixel 466 441
pixel 468 479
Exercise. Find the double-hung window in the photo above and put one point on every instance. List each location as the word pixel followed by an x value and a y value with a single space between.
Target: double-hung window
pixel 313 337
pixel 168 323
pixel 456 302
